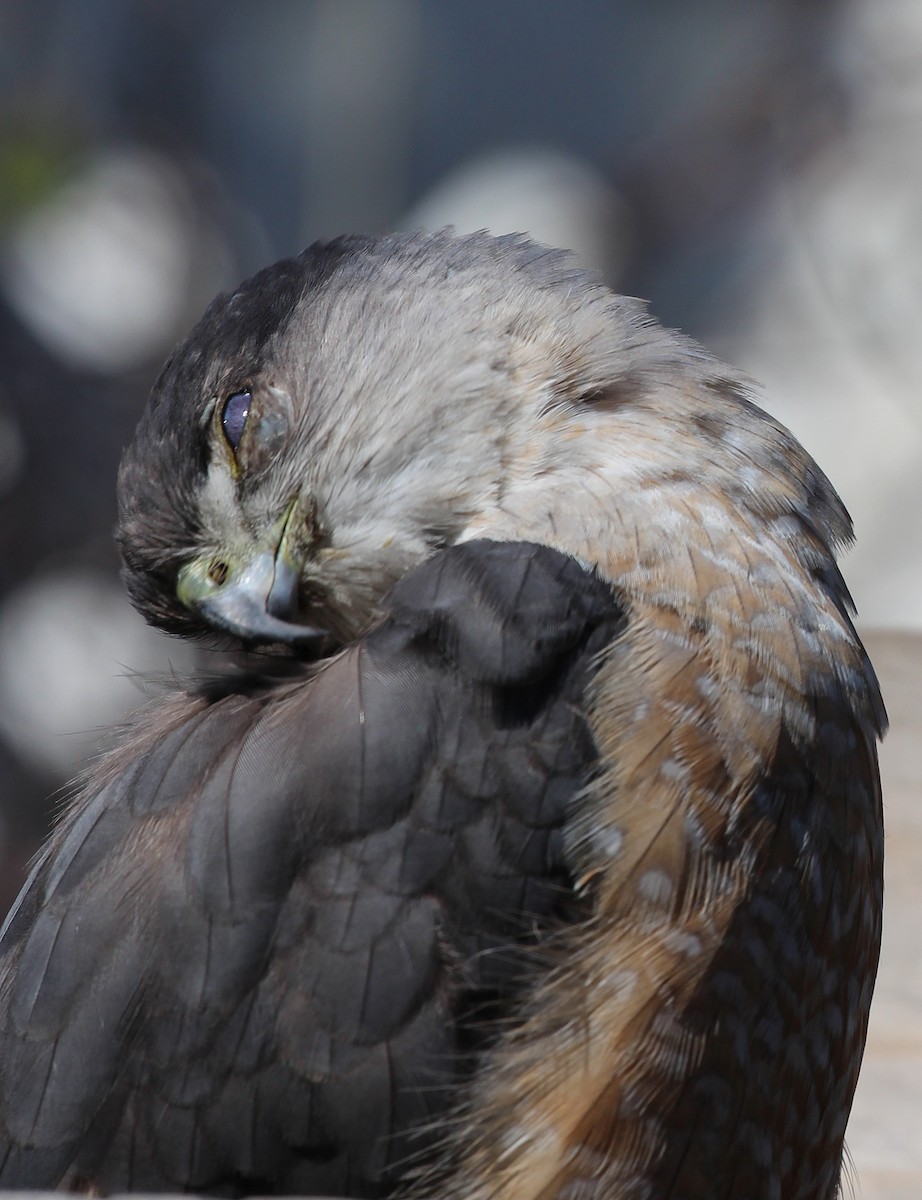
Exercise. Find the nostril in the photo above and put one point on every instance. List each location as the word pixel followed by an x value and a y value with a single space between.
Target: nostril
pixel 218 572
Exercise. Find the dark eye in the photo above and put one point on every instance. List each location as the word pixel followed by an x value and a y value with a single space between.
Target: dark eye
pixel 234 417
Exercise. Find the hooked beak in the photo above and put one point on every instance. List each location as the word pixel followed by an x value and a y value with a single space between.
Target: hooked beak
pixel 254 597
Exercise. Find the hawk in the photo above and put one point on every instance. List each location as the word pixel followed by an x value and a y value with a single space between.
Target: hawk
pixel 543 858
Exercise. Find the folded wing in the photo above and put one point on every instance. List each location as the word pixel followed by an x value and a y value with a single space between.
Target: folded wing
pixel 265 946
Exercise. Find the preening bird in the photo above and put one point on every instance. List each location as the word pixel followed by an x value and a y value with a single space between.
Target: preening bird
pixel 551 866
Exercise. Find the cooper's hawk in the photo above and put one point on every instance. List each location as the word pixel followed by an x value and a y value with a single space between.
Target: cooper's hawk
pixel 558 874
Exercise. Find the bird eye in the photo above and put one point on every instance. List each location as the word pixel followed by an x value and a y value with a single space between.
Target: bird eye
pixel 234 417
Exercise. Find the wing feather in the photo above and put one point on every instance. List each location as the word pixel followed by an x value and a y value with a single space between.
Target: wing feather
pixel 258 951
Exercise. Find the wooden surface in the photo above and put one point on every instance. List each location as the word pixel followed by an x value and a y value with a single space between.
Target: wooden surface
pixel 885 1131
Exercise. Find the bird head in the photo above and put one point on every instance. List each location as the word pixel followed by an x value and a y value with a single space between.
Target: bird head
pixel 325 428
pixel 346 413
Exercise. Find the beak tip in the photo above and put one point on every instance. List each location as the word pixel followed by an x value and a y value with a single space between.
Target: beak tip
pixel 246 619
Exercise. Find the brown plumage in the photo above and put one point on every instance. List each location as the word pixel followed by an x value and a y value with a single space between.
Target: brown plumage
pixel 670 999
pixel 704 1034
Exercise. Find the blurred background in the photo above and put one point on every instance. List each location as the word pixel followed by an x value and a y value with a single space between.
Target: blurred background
pixel 753 170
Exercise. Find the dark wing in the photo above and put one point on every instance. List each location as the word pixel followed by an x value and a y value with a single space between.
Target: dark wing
pixel 264 948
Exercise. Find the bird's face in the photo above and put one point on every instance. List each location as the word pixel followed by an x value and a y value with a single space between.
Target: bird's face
pixel 245 577
pixel 320 432
pixel 306 516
